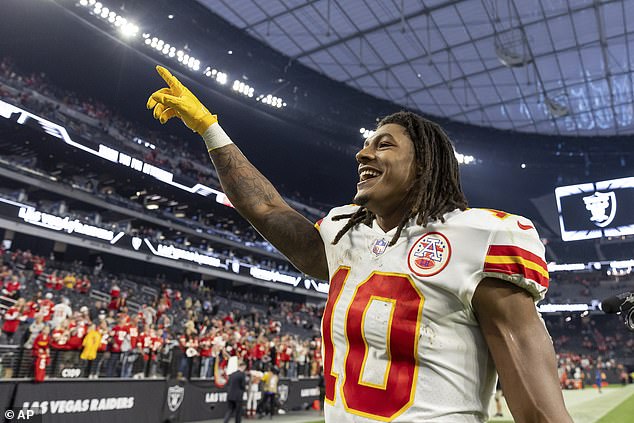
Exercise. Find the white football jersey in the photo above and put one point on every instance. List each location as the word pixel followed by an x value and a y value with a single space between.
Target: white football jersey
pixel 400 338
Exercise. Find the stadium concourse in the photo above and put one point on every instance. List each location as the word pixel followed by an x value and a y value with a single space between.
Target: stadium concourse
pixel 130 287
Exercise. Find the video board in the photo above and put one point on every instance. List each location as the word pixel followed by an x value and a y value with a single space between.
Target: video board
pixel 596 209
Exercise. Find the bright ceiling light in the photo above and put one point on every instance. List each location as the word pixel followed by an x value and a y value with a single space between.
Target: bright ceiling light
pixel 221 77
pixel 464 159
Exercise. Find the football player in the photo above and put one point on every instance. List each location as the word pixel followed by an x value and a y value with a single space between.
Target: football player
pixel 427 297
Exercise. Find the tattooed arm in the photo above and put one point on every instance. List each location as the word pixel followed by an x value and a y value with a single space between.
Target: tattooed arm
pixel 251 193
pixel 257 200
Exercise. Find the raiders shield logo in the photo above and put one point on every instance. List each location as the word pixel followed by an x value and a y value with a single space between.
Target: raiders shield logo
pixel 175 396
pixel 602 207
pixel 283 392
pixel 136 242
pixel 429 255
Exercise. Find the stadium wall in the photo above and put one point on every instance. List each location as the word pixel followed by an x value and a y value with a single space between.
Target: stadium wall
pixel 138 401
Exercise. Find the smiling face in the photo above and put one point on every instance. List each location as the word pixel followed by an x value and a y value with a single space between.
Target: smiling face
pixel 386 173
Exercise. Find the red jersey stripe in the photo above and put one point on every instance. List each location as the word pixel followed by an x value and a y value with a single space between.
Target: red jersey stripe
pixel 516 269
pixel 512 250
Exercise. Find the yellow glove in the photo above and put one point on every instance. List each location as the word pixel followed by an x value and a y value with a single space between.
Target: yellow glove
pixel 178 101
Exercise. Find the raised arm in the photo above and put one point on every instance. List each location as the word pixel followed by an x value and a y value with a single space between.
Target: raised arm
pixel 522 351
pixel 249 191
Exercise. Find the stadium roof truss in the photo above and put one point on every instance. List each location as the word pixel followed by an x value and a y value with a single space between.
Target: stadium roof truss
pixel 543 66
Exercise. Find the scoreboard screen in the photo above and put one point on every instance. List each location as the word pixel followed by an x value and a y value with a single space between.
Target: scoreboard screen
pixel 596 209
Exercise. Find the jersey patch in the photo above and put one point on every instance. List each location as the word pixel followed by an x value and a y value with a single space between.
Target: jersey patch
pixel 429 255
pixel 379 246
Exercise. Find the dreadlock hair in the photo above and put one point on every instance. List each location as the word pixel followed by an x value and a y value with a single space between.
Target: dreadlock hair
pixel 436 189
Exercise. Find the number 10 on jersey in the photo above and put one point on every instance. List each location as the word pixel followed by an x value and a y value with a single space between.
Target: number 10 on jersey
pixel 382 401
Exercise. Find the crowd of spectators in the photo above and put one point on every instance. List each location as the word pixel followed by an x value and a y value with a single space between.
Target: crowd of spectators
pixel 177 239
pixel 189 330
pixel 34 92
pixel 603 335
pixel 184 332
pixel 96 122
pixel 589 348
pixel 578 371
pixel 576 287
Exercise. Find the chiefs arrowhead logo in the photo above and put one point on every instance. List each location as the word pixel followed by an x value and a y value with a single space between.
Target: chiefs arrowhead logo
pixel 524 227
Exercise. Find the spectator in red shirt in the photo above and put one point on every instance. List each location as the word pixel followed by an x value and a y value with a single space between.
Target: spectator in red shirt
pixel 115 291
pixel 145 347
pixel 38 266
pixel 58 283
pixel 41 354
pixel 83 284
pixel 258 352
pixel 77 329
pixel 118 303
pixel 284 358
pixel 46 306
pixel 118 335
pixel 60 336
pixel 162 308
pixel 32 307
pixel 12 287
pixel 228 319
pixel 12 320
pixel 50 280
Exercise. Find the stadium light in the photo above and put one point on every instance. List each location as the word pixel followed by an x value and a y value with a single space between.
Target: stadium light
pixel 366 133
pixel 221 77
pixel 271 100
pixel 464 159
pixel 97 9
pixel 215 74
pixel 130 30
pixel 555 308
pixel 242 88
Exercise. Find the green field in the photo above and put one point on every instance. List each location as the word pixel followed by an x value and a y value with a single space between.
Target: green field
pixel 614 405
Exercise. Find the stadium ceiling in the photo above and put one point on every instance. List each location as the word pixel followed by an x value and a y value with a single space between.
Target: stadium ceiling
pixel 559 67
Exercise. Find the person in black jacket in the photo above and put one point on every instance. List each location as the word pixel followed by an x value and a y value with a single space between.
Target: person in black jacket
pixel 236 386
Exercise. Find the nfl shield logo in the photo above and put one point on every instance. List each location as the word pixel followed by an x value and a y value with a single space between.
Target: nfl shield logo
pixel 379 246
pixel 175 395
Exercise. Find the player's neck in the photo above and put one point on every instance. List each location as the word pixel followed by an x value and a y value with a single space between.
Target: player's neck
pixel 387 223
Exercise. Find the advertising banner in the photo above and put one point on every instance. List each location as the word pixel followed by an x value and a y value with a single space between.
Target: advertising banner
pixel 204 401
pixel 93 401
